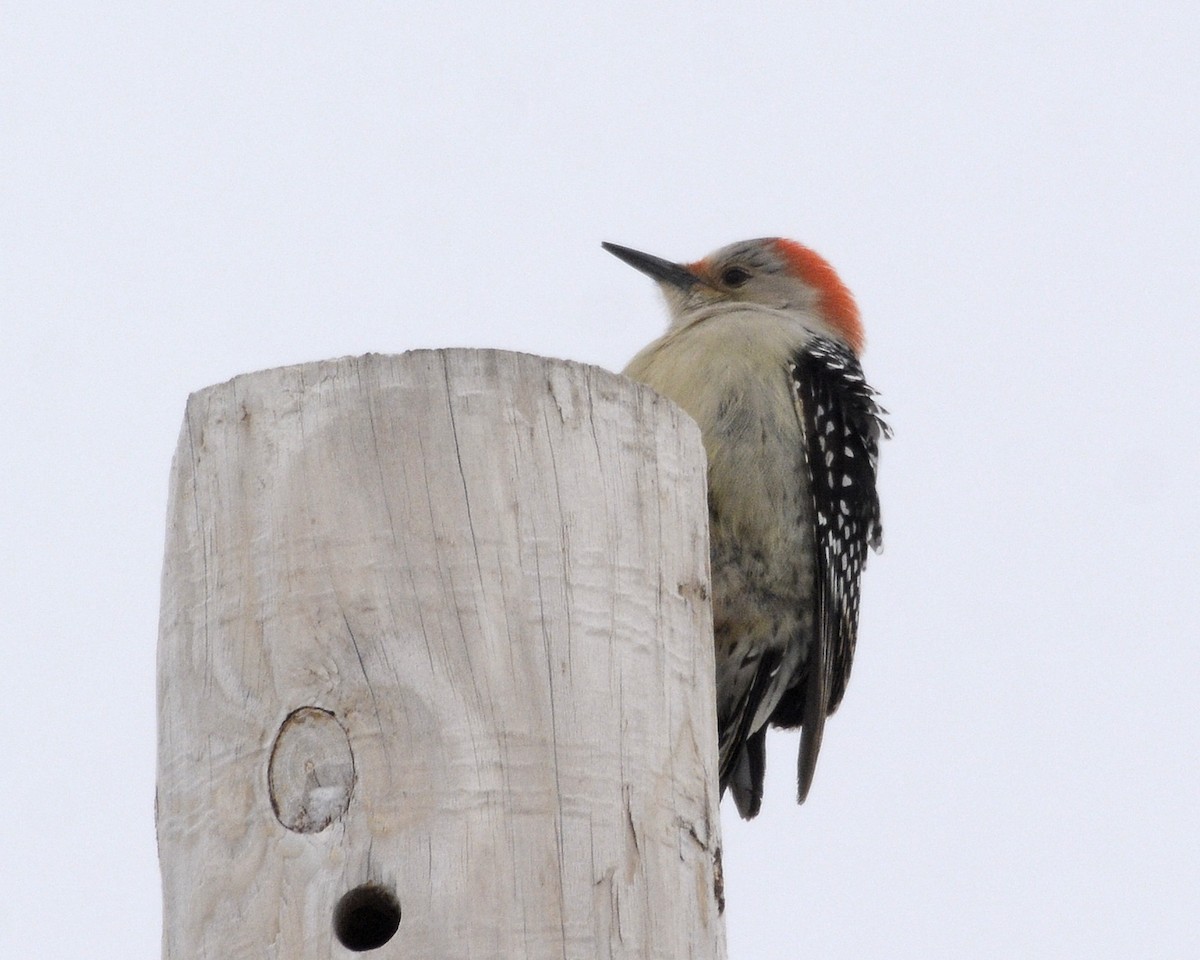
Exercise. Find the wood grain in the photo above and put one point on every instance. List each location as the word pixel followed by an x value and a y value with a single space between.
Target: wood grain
pixel 460 597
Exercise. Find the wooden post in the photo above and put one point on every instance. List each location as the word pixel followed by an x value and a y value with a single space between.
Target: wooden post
pixel 435 667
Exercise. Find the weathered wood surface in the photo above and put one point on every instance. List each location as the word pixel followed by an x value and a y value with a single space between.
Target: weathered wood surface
pixel 436 626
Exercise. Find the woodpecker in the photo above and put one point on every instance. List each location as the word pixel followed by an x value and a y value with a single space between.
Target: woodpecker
pixel 762 350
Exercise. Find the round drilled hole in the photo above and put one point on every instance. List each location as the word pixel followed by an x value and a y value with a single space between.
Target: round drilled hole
pixel 366 917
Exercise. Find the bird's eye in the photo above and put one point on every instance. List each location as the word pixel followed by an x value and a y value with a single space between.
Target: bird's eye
pixel 735 277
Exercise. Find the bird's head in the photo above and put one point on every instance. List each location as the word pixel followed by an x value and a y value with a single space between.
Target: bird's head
pixel 771 272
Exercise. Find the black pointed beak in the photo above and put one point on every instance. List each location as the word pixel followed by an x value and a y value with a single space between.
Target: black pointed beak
pixel 661 270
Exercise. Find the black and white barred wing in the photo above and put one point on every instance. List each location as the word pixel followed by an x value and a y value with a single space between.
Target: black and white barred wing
pixel 842 426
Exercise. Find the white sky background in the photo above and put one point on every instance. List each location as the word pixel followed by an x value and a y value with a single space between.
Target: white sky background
pixel 1011 190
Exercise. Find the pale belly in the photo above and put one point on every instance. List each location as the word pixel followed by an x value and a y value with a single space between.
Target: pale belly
pixel 762 578
pixel 720 372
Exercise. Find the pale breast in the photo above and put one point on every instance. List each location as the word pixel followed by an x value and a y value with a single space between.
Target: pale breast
pixel 729 372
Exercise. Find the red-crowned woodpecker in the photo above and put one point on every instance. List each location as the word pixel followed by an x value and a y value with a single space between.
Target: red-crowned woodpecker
pixel 762 351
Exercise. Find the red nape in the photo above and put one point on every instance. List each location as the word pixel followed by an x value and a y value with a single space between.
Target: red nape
pixel 837 302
